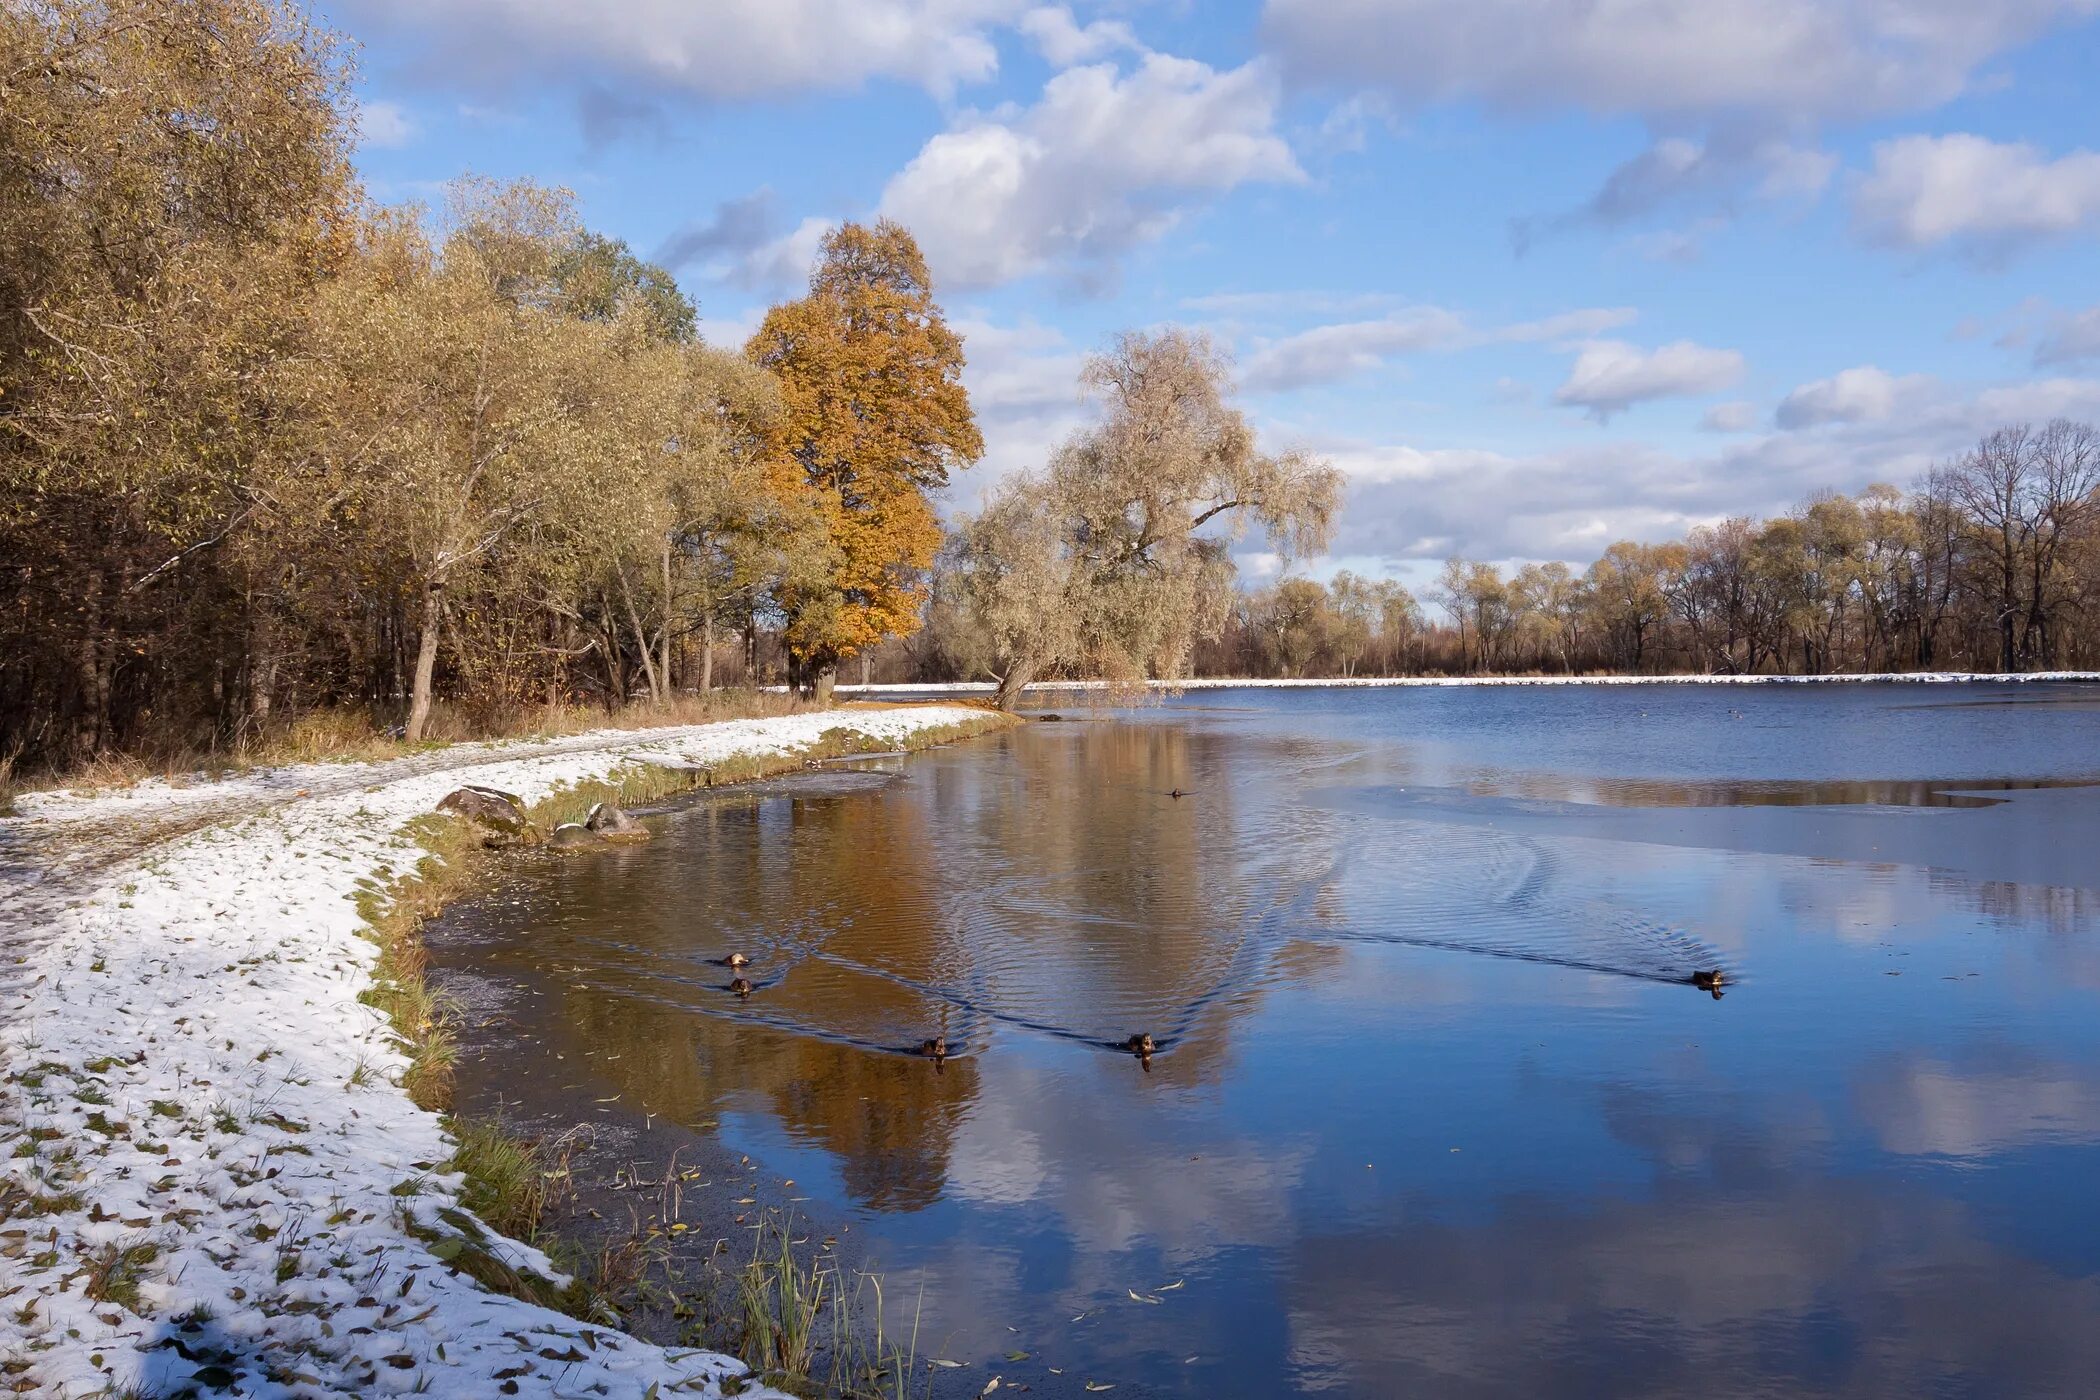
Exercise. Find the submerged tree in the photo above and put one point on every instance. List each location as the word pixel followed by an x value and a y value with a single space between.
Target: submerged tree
pixel 1116 560
pixel 873 417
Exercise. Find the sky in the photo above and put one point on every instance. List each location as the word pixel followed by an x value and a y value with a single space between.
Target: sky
pixel 1537 275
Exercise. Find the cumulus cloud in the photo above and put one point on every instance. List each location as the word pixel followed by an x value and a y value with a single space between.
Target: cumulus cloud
pixel 1807 60
pixel 1064 42
pixel 1610 376
pixel 1104 162
pixel 1986 197
pixel 725 49
pixel 383 124
pixel 1866 394
pixel 1325 354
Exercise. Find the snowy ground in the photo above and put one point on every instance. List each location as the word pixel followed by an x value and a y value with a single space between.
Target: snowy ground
pixel 1896 678
pixel 208 1175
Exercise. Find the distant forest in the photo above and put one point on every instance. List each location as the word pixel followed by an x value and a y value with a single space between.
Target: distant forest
pixel 1990 563
pixel 271 452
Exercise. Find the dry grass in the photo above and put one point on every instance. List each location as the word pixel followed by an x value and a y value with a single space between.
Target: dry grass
pixel 394 915
pixel 351 734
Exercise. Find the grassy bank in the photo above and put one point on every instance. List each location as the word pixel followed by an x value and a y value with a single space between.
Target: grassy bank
pixel 512 1180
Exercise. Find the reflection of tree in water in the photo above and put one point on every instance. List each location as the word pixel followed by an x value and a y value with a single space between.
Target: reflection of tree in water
pixel 2059 909
pixel 890 1122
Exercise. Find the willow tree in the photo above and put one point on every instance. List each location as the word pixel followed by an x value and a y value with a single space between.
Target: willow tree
pixel 1116 560
pixel 873 417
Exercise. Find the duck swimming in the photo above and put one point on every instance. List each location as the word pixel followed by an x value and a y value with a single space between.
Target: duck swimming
pixel 1710 981
pixel 741 986
pixel 935 1049
pixel 736 960
pixel 1141 1045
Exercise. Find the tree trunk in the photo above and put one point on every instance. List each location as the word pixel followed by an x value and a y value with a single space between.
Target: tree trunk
pixel 426 663
pixel 826 678
pixel 707 652
pixel 262 663
pixel 1011 685
pixel 641 639
pixel 94 692
pixel 664 666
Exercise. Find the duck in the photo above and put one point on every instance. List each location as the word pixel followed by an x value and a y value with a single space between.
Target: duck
pixel 935 1049
pixel 1141 1045
pixel 736 960
pixel 1710 981
pixel 1177 794
pixel 741 986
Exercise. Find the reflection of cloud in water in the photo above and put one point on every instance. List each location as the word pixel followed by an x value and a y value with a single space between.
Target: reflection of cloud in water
pixel 1822 1288
pixel 1093 1161
pixel 1923 1107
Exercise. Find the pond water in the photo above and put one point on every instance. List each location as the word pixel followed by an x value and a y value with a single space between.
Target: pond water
pixel 1435 1108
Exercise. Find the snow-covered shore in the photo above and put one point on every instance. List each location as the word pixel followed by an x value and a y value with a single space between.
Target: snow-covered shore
pixel 208 1173
pixel 1382 682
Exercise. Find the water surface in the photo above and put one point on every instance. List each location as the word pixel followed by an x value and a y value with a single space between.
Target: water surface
pixel 1436 1110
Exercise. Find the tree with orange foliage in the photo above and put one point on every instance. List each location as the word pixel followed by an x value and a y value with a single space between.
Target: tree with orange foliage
pixel 874 415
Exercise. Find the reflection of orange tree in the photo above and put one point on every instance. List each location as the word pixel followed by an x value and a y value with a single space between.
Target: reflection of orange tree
pixel 1055 884
pixel 890 1121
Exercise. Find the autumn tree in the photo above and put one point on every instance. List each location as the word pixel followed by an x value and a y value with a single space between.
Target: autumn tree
pixel 1116 560
pixel 173 178
pixel 873 418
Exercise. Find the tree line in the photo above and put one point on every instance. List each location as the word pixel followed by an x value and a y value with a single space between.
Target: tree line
pixel 268 446
pixel 1989 563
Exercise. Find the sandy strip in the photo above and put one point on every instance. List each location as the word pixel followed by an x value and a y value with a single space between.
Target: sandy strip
pixel 193 1093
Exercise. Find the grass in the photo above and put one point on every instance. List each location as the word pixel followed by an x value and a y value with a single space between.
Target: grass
pixel 351 734
pixel 511 1179
pixel 115 1271
pixel 805 1330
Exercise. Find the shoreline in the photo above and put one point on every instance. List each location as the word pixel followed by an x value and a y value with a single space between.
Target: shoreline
pixel 1406 682
pixel 215 1171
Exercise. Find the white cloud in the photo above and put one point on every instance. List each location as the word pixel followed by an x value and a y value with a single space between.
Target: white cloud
pixel 1325 354
pixel 1410 504
pixel 1063 41
pixel 1736 417
pixel 1024 385
pixel 1610 376
pixel 384 124
pixel 1328 353
pixel 1102 163
pixel 1865 394
pixel 1986 196
pixel 1791 59
pixel 786 260
pixel 720 49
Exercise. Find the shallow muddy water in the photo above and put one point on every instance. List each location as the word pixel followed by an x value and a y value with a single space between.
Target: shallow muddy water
pixel 1435 1109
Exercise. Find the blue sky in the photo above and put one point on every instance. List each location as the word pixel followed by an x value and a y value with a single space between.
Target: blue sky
pixel 1537 274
